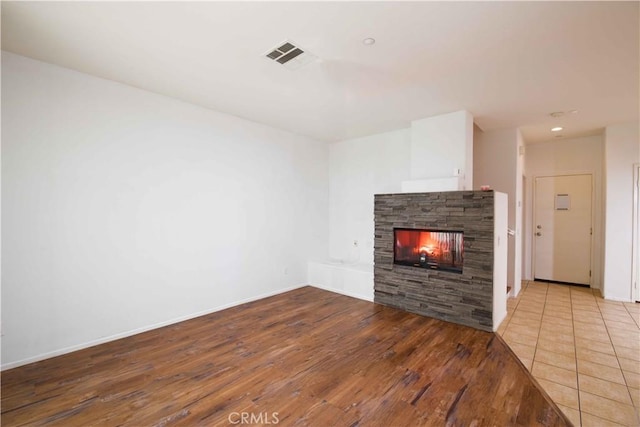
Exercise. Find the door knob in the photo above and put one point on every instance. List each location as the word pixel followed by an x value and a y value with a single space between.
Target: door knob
pixel 539 227
pixel 538 234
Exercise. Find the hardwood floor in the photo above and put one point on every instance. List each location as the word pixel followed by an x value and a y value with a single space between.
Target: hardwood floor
pixel 306 357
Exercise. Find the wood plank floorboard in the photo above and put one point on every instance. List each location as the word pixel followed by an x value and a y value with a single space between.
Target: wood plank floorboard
pixel 311 356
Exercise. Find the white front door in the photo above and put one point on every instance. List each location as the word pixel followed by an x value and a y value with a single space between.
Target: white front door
pixel 563 228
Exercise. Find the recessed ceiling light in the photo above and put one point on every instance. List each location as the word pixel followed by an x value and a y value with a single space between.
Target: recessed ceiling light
pixel 557 114
pixel 556 129
pixel 369 41
pixel 573 112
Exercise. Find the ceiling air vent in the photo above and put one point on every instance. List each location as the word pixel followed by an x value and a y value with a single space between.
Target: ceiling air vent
pixel 290 55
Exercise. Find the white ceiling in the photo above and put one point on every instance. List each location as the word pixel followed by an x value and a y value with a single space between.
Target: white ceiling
pixel 508 63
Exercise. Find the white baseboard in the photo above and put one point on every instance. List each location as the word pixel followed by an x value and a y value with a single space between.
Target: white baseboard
pixel 610 298
pixel 498 321
pixel 343 292
pixel 136 331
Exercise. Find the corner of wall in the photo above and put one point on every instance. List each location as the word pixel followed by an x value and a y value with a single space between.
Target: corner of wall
pixel 621 152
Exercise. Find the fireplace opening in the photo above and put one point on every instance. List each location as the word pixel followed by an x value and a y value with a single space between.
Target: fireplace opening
pixel 432 249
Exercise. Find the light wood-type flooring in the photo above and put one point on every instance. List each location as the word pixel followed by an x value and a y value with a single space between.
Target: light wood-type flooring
pixel 305 357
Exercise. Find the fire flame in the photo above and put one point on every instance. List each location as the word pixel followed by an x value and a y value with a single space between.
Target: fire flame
pixel 430 250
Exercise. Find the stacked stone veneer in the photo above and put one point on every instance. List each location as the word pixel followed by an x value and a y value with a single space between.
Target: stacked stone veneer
pixel 465 298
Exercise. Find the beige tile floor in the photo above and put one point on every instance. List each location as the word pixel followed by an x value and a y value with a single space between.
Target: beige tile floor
pixel 583 350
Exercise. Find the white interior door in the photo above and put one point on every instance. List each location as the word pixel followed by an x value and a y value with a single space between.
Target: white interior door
pixel 563 229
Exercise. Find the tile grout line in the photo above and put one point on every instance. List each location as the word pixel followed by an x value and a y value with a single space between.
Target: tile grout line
pixel 617 357
pixel 546 294
pixel 535 347
pixel 637 322
pixel 524 295
pixel 517 303
pixel 575 353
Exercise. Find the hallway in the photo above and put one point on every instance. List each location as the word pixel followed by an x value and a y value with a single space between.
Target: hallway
pixel 583 350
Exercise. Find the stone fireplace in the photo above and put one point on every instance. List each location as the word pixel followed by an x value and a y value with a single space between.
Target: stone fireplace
pixel 442 255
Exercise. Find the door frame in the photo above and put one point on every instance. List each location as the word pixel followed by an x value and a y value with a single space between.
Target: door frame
pixel 533 217
pixel 635 269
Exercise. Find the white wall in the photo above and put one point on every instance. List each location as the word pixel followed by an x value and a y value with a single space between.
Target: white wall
pixel 440 144
pixel 519 220
pixel 384 163
pixel 497 163
pixel 561 157
pixel 622 150
pixel 125 210
pixel 360 168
